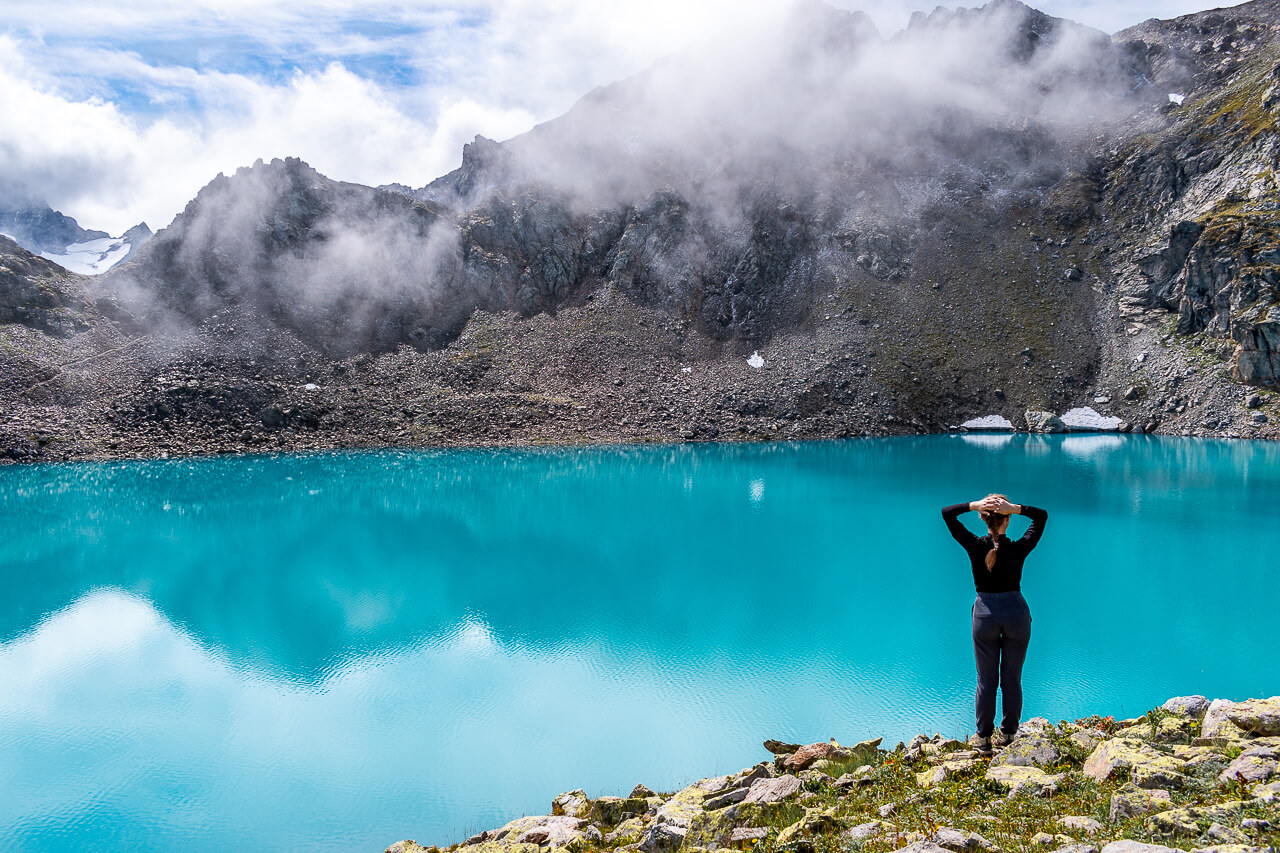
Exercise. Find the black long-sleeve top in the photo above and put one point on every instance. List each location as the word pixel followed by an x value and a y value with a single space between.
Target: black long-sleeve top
pixel 1007 574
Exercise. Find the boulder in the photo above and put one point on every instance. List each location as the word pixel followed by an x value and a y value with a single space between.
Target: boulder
pixel 1217 725
pixel 1259 717
pixel 642 792
pixel 772 790
pixel 540 830
pixel 807 755
pixel 1268 792
pixel 682 806
pixel 1193 707
pixel 1077 848
pixel 1044 422
pixel 1233 848
pixel 1132 801
pixel 1148 768
pixel 612 810
pixel 1029 751
pixel 571 803
pixel 778 747
pixel 1017 779
pixel 1256 764
pixel 626 832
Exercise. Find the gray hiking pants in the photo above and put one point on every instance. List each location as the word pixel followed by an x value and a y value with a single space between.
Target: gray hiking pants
pixel 1001 632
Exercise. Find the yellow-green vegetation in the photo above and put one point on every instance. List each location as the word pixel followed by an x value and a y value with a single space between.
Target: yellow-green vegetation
pixel 1177 776
pixel 1240 109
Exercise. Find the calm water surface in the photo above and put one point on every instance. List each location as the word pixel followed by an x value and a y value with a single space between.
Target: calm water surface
pixel 337 651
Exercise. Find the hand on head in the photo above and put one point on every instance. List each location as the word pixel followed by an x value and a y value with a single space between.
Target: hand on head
pixel 997 504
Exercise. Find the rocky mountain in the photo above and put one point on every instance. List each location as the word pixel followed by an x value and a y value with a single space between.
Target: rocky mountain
pixel 59 238
pixel 991 212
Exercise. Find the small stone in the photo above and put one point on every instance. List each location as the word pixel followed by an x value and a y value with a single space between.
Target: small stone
pixel 1253 401
pixel 1136 847
pixel 870 829
pixel 886 810
pixel 642 792
pixel 571 803
pixel 1132 393
pixel 1079 823
pixel 743 834
pixel 1259 418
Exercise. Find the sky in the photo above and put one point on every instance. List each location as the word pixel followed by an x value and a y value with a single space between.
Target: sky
pixel 116 113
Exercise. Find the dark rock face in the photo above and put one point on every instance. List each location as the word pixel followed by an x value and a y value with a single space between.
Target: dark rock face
pixel 42 229
pixel 345 267
pixel 39 293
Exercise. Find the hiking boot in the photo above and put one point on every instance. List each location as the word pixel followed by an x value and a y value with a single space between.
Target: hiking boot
pixel 1001 740
pixel 983 746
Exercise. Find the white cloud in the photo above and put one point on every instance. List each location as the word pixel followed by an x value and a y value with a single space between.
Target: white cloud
pixel 405 84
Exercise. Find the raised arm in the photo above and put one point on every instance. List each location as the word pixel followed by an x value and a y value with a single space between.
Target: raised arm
pixel 1036 530
pixel 960 533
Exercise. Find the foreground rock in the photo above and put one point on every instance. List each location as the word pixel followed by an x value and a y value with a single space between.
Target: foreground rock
pixel 936 795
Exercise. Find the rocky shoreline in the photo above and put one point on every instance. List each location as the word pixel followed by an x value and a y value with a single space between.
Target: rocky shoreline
pixel 1192 774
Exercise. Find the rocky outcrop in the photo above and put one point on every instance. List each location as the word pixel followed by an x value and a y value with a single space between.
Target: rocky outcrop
pixel 1039 790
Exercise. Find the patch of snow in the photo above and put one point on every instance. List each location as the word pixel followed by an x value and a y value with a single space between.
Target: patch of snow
pixel 756 361
pixel 92 256
pixel 990 422
pixel 686 370
pixel 311 386
pixel 1175 98
pixel 1085 419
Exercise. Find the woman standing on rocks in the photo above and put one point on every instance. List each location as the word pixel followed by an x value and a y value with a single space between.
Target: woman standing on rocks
pixel 1001 618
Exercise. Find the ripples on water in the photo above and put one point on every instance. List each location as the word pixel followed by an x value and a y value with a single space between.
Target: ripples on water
pixel 340 650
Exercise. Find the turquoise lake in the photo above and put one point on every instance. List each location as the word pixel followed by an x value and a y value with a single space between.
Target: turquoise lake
pixel 337 651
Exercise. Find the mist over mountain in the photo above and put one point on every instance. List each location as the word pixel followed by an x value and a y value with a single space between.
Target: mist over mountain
pixel 992 211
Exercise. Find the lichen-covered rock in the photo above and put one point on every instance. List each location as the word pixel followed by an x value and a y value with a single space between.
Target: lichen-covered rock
pixel 1217 725
pixel 814 822
pixel 1186 821
pixel 612 810
pixel 1030 751
pixel 1017 779
pixel 773 790
pixel 1259 717
pixel 571 803
pixel 1268 792
pixel 946 770
pixel 1148 768
pixel 1193 707
pixel 540 830
pixel 1257 764
pixel 682 807
pixel 1132 801
pixel 629 830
